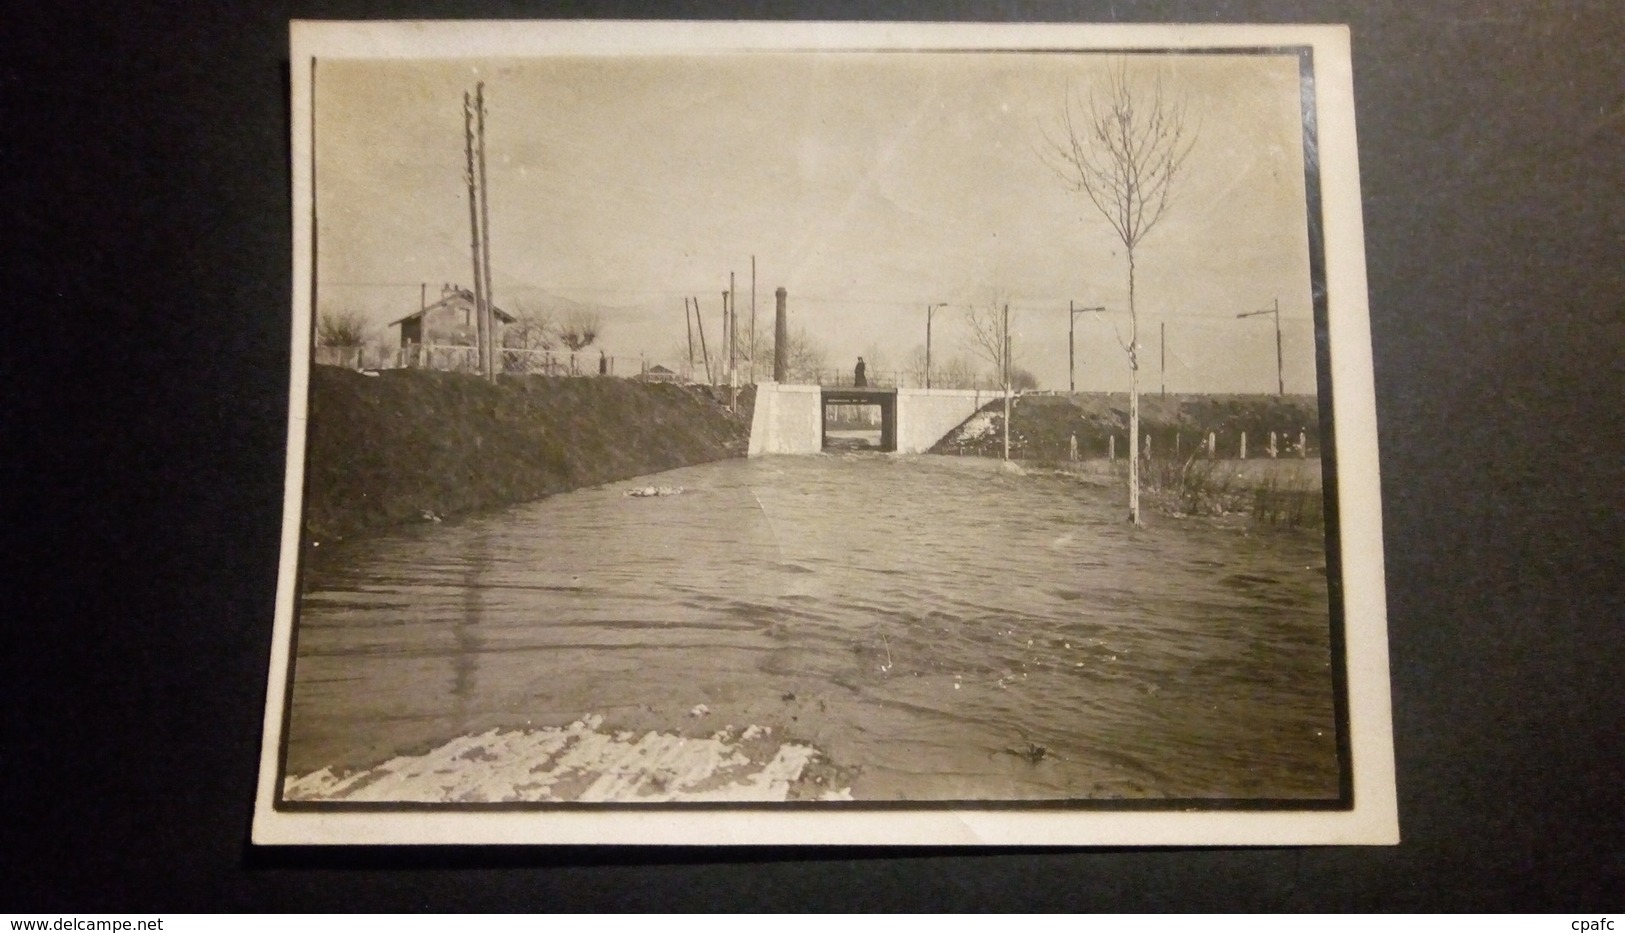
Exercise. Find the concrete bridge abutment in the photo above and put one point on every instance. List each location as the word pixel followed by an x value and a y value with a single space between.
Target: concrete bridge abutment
pixel 789 419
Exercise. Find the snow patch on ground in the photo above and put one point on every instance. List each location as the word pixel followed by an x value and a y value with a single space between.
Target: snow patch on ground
pixel 978 425
pixel 578 763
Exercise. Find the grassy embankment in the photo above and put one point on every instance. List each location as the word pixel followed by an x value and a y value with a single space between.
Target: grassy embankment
pixel 388 449
pixel 1179 479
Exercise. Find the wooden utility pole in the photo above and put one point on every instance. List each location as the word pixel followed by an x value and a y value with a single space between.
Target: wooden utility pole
pixel 753 320
pixel 700 322
pixel 781 336
pixel 1072 343
pixel 473 225
pixel 688 325
pixel 724 354
pixel 722 348
pixel 488 316
pixel 1280 376
pixel 1162 349
pixel 928 310
pixel 733 346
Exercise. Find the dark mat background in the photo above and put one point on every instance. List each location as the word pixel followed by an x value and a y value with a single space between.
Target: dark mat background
pixel 146 233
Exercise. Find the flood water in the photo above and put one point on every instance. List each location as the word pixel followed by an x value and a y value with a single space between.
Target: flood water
pixel 936 627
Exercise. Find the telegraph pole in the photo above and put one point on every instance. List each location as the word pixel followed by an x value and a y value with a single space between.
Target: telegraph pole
pixel 928 310
pixel 488 316
pixel 688 325
pixel 705 353
pixel 1162 350
pixel 1280 377
pixel 753 320
pixel 1072 343
pixel 733 346
pixel 473 223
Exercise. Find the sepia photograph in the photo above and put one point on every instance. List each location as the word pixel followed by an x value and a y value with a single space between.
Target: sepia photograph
pixel 824 433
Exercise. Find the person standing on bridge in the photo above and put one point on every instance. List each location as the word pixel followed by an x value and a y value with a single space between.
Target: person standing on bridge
pixel 859 380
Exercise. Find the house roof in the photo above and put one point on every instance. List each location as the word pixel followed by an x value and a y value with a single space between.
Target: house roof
pixel 657 368
pixel 457 298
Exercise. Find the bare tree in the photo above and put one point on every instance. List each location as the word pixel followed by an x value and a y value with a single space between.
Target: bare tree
pixel 914 365
pixel 580 328
pixel 985 334
pixel 755 348
pixel 804 357
pixel 1124 156
pixel 341 329
pixel 989 338
pixel 957 373
pixel 530 331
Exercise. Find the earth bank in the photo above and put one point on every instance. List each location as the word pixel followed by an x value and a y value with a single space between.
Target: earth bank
pixel 1041 426
pixel 416 445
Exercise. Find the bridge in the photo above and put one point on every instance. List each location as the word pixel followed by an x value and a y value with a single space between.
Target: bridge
pixel 790 419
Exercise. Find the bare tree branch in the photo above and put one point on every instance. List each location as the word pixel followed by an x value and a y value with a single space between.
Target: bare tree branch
pixel 804 357
pixel 985 339
pixel 1124 155
pixel 340 329
pixel 530 330
pixel 580 328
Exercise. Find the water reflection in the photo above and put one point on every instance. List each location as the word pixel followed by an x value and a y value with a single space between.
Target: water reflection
pixel 466 629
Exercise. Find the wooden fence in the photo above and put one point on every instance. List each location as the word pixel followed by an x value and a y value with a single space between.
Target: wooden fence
pixel 1174 445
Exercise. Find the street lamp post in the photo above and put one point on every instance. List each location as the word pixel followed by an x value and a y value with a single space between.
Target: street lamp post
pixel 1071 344
pixel 1280 378
pixel 928 310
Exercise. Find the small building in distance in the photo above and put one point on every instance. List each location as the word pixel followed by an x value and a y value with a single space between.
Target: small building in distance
pixel 447 322
pixel 659 373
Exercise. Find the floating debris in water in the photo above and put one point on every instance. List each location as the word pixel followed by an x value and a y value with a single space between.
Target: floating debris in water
pixel 653 492
pixel 1033 752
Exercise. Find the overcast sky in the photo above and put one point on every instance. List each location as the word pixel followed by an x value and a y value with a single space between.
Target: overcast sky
pixel 868 185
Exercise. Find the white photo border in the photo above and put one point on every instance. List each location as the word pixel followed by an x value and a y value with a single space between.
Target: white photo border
pixel 1372 819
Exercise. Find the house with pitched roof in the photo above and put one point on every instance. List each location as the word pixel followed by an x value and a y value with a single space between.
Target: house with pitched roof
pixel 448 322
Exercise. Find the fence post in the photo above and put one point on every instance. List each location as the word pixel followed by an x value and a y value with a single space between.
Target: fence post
pixel 1111 446
pixel 1244 445
pixel 1072 448
pixel 1147 447
pixel 1303 445
pixel 1273 449
pixel 1212 445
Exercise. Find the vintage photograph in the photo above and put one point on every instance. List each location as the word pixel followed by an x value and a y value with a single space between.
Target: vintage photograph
pixel 815 433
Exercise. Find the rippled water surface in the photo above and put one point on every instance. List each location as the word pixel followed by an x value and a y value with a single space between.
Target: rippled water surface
pixel 939 628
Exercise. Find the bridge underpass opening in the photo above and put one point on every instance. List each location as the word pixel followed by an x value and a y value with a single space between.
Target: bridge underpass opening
pixel 859 419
